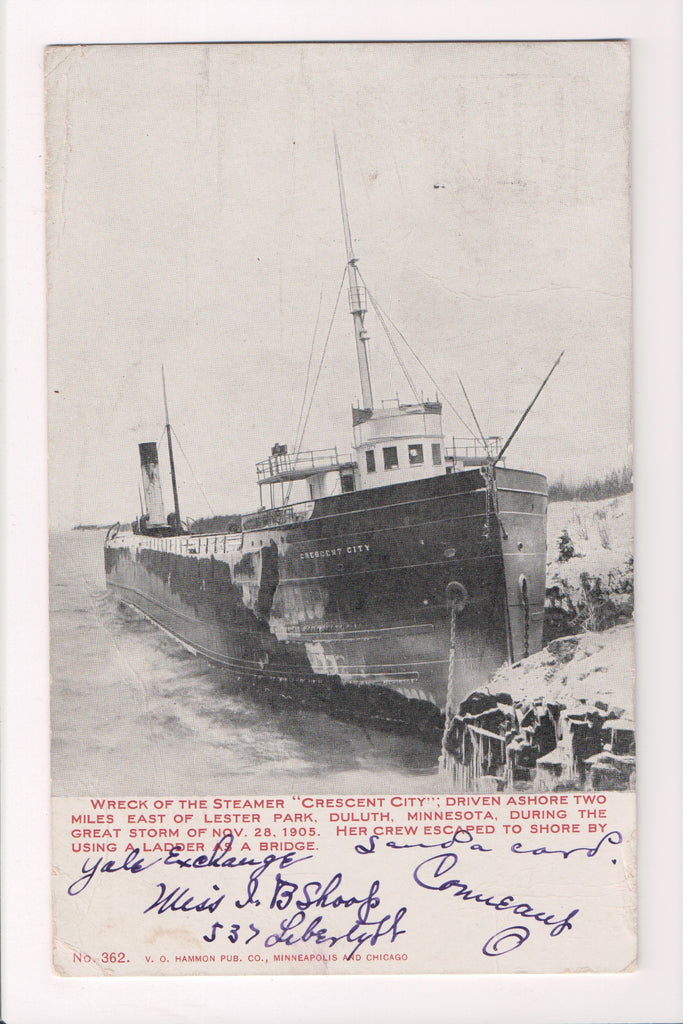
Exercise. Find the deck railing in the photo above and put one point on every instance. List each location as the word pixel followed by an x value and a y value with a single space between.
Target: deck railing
pixel 466 448
pixel 285 515
pixel 299 462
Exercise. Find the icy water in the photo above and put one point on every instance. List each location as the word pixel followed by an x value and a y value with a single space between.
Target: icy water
pixel 133 713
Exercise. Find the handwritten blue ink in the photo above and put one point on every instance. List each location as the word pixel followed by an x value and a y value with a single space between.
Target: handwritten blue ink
pixel 214 928
pixel 370 848
pixel 614 838
pixel 133 862
pixel 460 836
pixel 428 875
pixel 386 927
pixel 183 900
pixel 222 857
pixel 285 860
pixel 506 941
pixel 317 894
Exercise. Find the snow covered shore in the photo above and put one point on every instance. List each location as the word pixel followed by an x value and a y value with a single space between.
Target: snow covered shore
pixel 589 574
pixel 563 718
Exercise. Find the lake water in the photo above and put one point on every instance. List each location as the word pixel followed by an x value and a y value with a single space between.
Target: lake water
pixel 133 713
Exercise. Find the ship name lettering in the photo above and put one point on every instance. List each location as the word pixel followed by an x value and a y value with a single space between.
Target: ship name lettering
pixel 351 549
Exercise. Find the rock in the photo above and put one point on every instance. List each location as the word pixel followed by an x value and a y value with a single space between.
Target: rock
pixel 545 720
pixel 476 702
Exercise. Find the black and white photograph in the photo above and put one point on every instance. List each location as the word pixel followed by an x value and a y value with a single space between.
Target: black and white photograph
pixel 339 342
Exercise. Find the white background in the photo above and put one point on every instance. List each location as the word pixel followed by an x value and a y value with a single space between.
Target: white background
pixel 193 221
pixel 31 994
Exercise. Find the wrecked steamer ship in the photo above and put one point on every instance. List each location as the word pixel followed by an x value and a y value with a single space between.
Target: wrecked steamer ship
pixel 348 596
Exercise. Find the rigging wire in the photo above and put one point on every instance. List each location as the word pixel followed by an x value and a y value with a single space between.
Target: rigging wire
pixel 528 409
pixel 396 352
pixel 213 513
pixel 474 415
pixel 317 377
pixel 308 368
pixel 415 356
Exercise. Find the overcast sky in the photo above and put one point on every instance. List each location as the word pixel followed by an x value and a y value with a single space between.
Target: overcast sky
pixel 193 220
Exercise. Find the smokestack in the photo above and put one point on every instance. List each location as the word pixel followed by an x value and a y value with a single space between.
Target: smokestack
pixel 149 461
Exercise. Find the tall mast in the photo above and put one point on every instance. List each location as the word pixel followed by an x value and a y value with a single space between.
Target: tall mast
pixel 356 295
pixel 170 451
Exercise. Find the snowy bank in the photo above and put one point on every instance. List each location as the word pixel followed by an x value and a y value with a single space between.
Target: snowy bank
pixel 589 573
pixel 560 719
pixel 563 718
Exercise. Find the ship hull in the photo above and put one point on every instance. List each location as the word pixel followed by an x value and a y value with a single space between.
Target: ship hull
pixel 362 589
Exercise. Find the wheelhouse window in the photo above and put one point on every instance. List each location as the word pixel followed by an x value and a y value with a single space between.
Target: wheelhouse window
pixel 370 460
pixel 436 454
pixel 415 454
pixel 390 457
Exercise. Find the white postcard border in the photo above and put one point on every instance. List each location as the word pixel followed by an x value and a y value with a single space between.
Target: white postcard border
pixel 30 991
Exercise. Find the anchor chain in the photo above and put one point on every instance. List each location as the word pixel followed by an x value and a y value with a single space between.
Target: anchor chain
pixel 487 525
pixel 523 587
pixel 451 653
pixel 488 473
pixel 456 599
pixel 488 480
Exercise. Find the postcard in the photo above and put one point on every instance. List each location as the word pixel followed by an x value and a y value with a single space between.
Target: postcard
pixel 341 551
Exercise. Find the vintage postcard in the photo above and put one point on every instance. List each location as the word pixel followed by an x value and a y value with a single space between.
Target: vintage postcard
pixel 341 556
